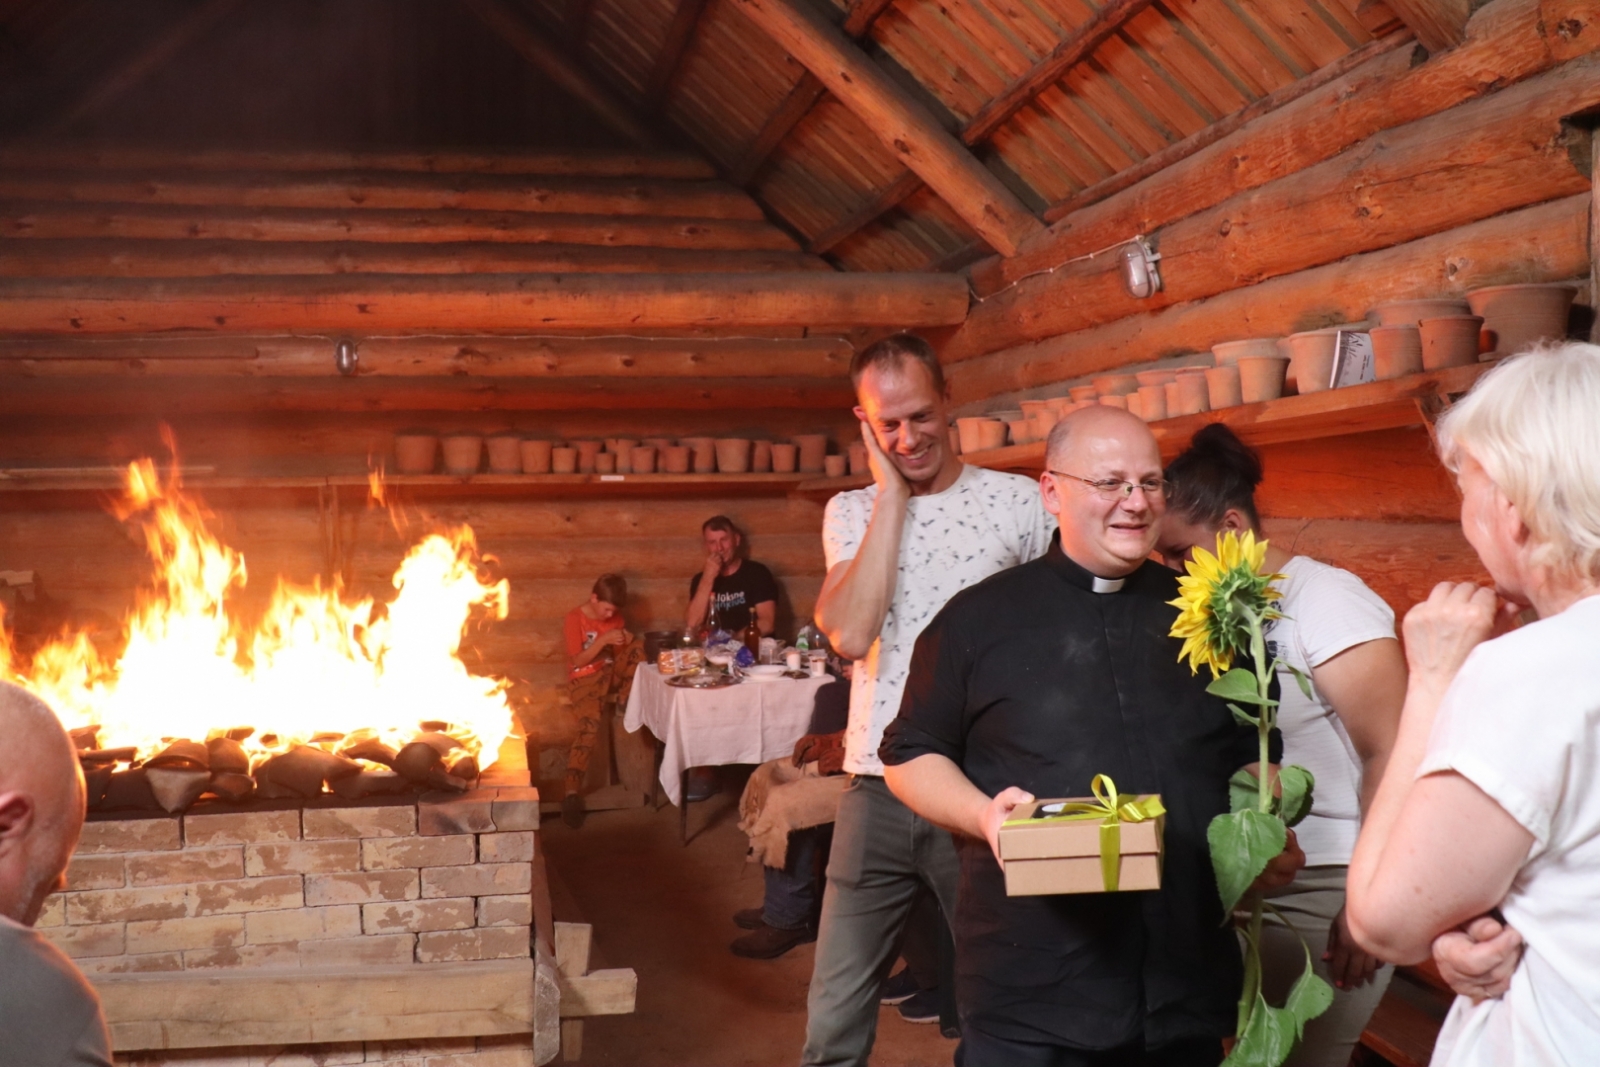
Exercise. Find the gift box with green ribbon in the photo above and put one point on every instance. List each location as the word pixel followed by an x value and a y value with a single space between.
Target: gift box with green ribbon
pixel 1107 843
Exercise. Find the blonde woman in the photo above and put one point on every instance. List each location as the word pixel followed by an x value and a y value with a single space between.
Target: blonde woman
pixel 1491 797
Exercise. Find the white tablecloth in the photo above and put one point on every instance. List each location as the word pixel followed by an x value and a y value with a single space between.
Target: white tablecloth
pixel 751 722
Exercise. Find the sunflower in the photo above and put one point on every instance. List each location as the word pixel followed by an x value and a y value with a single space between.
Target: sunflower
pixel 1222 599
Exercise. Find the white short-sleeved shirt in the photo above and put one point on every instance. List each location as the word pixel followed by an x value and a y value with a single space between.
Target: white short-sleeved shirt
pixel 1522 723
pixel 1326 611
pixel 984 523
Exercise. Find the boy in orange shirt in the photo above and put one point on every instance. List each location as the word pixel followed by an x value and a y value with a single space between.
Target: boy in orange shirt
pixel 601 656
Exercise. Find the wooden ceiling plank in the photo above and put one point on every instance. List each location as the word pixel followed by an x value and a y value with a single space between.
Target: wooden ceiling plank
pixel 1438 24
pixel 149 59
pixel 862 14
pixel 575 21
pixel 900 121
pixel 887 199
pixel 680 34
pixel 513 28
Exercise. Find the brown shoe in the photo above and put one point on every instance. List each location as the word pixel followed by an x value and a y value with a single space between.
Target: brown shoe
pixel 572 810
pixel 769 942
pixel 749 918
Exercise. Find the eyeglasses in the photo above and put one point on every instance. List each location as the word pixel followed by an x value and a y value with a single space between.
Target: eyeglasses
pixel 1118 489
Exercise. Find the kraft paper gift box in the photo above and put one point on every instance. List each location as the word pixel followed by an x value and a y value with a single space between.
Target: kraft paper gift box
pixel 1086 850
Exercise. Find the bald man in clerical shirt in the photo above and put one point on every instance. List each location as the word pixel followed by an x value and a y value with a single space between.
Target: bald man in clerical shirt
pixel 1029 684
pixel 49 1015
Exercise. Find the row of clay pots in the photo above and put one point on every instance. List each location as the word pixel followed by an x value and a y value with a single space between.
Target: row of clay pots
pixel 418 452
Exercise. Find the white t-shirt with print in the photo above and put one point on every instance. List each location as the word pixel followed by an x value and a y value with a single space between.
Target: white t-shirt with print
pixel 986 522
pixel 1522 723
pixel 1326 611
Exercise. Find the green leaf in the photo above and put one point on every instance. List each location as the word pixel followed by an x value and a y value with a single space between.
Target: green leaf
pixel 1304 680
pixel 1297 784
pixel 1244 718
pixel 1242 843
pixel 1243 791
pixel 1267 1040
pixel 1238 684
pixel 1309 997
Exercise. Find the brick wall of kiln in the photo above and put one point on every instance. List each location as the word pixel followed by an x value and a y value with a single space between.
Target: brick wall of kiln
pixel 433 882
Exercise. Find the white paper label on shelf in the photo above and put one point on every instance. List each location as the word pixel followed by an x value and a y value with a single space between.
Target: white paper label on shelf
pixel 612 477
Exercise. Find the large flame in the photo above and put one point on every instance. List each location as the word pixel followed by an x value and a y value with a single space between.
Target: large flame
pixel 314 665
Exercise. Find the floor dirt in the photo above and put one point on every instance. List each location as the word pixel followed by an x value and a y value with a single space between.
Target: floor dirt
pixel 666 910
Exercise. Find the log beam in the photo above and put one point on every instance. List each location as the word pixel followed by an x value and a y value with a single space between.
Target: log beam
pixel 488 303
pixel 680 33
pixel 513 28
pixel 1474 161
pixel 1544 243
pixel 900 121
pixel 152 57
pixel 88 258
pixel 885 200
pixel 1438 24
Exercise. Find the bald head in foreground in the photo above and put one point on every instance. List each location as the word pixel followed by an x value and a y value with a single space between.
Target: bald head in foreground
pixel 49 1015
pixel 1031 683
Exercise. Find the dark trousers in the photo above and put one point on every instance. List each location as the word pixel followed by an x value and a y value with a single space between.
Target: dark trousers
pixel 793 895
pixel 979 1049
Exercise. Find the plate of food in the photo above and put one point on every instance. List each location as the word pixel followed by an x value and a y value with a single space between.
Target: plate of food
pixel 702 680
pixel 765 672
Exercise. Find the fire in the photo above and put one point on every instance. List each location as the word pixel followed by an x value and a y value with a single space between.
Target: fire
pixel 314 666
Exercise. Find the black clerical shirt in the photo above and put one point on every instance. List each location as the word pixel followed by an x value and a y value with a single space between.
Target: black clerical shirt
pixel 1031 678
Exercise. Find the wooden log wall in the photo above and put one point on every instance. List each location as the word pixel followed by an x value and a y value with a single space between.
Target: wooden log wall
pixel 1413 174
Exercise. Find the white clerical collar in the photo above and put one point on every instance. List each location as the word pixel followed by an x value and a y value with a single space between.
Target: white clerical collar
pixel 1108 585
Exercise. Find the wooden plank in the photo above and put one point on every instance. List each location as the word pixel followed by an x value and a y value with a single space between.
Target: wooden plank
pixel 369 189
pixel 178 223
pixel 680 32
pixel 480 303
pixel 900 121
pixel 1508 42
pixel 572 948
pixel 139 258
pixel 78 155
pixel 608 992
pixel 1266 105
pixel 1401 1032
pixel 885 200
pixel 510 25
pixel 860 16
pixel 796 106
pixel 260 1007
pixel 1544 243
pixel 1400 186
pixel 114 83
pixel 1438 24
pixel 477 356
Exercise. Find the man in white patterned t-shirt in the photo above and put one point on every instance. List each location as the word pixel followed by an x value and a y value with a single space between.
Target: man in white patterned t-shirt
pixel 928 527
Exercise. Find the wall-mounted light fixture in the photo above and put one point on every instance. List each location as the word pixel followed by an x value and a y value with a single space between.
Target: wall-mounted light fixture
pixel 345 357
pixel 1140 275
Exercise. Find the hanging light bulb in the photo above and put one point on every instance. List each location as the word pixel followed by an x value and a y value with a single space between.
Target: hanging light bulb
pixel 345 357
pixel 1140 275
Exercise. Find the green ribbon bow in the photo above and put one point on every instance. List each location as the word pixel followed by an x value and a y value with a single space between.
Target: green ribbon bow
pixel 1112 809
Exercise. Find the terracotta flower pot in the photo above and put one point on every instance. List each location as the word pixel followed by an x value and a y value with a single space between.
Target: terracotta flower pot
pixel 785 457
pixel 702 453
pixel 622 448
pixel 858 459
pixel 605 463
pixel 733 455
pixel 505 453
pixel 1230 352
pixel 564 460
pixel 1156 377
pixel 658 443
pixel 813 447
pixel 834 466
pixel 587 450
pixel 1192 394
pixel 415 451
pixel 1082 392
pixel 1412 312
pixel 1044 422
pixel 1135 404
pixel 1517 316
pixel 1030 408
pixel 1152 402
pixel 1115 400
pixel 642 459
pixel 536 457
pixel 1311 358
pixel 463 452
pixel 1172 398
pixel 955 440
pixel 1450 341
pixel 1222 387
pixel 971 434
pixel 1115 384
pixel 1261 377
pixel 761 457
pixel 1021 430
pixel 676 459
pixel 992 434
pixel 1396 351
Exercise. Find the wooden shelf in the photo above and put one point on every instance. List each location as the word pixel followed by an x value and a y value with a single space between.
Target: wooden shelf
pixel 1385 405
pixel 110 480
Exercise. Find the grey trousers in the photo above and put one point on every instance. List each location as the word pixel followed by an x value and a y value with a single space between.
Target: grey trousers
pixel 882 853
pixel 1310 903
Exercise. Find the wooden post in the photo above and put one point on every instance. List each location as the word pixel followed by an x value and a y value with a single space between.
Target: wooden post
pixel 901 122
pixel 1438 24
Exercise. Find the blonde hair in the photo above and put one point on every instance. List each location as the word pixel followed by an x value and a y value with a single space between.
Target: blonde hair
pixel 1533 424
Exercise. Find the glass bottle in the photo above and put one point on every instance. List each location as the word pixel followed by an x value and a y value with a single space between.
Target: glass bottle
pixel 752 637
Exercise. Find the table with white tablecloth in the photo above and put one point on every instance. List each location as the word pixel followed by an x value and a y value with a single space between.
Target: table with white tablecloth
pixel 751 722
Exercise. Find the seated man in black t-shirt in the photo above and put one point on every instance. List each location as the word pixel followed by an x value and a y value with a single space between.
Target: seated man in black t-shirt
pixel 736 587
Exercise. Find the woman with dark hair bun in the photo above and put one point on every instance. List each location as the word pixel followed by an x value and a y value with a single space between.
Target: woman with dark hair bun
pixel 1340 633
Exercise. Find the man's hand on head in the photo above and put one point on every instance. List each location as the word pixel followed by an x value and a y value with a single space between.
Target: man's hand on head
pixel 884 473
pixel 997 811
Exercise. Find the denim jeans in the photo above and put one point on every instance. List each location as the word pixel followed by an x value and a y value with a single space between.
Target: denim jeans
pixel 883 854
pixel 791 896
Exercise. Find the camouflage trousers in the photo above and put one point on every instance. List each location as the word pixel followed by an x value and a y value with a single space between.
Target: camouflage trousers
pixel 589 696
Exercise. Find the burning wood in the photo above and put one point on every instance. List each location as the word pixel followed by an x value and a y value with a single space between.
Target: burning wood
pixel 342 696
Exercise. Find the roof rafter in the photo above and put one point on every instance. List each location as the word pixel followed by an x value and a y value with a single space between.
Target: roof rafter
pixel 900 122
pixel 680 34
pixel 1438 24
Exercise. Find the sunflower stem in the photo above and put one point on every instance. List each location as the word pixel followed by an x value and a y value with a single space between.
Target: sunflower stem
pixel 1264 723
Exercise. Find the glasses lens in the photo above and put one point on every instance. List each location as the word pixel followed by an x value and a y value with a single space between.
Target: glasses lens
pixel 1154 487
